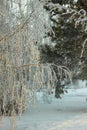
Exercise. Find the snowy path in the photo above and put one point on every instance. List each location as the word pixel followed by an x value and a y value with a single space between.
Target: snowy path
pixel 68 113
pixel 72 124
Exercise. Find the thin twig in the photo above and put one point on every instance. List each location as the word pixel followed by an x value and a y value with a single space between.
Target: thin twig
pixel 19 27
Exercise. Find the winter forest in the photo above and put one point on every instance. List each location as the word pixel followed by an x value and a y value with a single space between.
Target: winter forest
pixel 43 64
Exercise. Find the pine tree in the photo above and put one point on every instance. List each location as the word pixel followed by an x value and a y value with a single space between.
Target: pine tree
pixel 68 37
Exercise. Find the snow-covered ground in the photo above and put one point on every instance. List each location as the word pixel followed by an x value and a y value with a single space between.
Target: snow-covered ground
pixel 68 113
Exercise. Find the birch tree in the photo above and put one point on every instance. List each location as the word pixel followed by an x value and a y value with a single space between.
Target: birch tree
pixel 22 74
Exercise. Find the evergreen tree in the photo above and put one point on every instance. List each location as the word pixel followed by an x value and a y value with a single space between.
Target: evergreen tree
pixel 68 37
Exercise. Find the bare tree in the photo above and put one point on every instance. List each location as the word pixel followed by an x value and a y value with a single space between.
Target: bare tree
pixel 20 69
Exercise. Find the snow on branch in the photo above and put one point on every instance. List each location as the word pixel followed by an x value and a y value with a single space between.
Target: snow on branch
pixel 83 48
pixel 80 19
pixel 17 29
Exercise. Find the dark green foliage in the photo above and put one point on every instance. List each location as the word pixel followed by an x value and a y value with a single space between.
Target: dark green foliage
pixel 82 4
pixel 69 41
pixel 58 90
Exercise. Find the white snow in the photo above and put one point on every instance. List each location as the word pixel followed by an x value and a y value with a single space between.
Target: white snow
pixel 68 113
